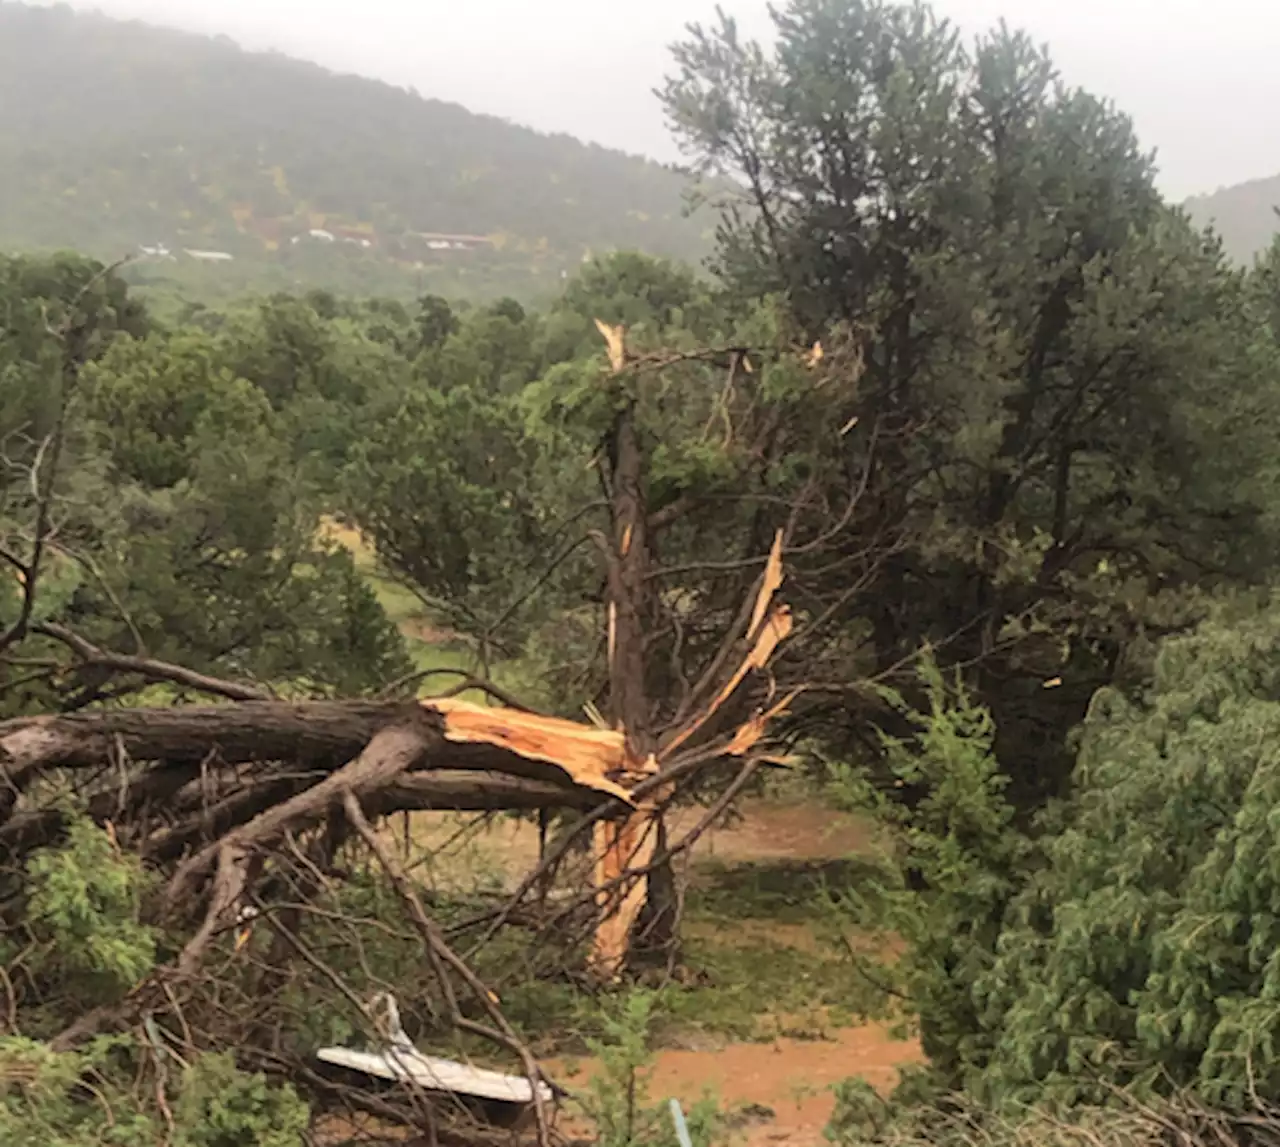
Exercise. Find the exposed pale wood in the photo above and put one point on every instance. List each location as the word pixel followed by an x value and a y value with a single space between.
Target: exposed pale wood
pixel 751 732
pixel 586 755
pixel 620 846
pixel 768 587
pixel 774 631
pixel 614 340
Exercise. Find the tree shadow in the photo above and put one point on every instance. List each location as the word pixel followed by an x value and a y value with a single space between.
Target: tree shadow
pixel 784 890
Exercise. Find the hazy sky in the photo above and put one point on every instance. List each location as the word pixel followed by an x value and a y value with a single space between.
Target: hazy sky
pixel 1198 76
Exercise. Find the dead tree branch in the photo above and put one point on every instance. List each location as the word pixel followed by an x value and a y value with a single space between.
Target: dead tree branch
pixel 91 655
pixel 443 956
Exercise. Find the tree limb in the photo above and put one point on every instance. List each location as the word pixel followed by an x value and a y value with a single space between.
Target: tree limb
pixel 92 655
pixel 442 955
pixel 391 752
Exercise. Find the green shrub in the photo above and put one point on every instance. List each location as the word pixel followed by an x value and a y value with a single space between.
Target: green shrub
pixel 616 1098
pixel 93 1098
pixel 83 908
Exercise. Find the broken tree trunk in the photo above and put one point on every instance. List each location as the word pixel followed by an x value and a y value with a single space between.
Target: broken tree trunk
pixel 151 770
pixel 637 890
pixel 630 844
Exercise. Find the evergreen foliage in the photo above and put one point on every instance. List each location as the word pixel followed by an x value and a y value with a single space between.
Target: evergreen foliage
pixel 1127 947
pixel 1052 354
pixel 185 524
pixel 86 942
pixel 1007 410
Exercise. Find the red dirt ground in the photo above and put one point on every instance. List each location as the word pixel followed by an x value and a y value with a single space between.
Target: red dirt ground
pixel 792 1077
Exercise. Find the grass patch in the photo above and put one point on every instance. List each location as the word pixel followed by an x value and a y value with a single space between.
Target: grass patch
pixel 428 648
pixel 760 990
pixel 767 954
pixel 788 891
pixel 771 966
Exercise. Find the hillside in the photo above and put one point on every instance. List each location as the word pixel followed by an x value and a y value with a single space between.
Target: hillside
pixel 1244 215
pixel 117 135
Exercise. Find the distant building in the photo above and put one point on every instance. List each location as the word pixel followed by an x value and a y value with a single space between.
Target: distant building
pixel 320 235
pixel 444 241
pixel 356 236
pixel 209 256
pixel 159 251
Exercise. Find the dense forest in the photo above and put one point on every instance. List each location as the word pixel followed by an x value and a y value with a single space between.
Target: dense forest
pixel 117 135
pixel 953 494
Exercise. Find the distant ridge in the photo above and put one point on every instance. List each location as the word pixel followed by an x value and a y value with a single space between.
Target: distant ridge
pixel 1244 215
pixel 116 136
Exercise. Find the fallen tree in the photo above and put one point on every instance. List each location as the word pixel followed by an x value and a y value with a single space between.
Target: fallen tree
pixel 218 797
pixel 166 776
pixel 257 816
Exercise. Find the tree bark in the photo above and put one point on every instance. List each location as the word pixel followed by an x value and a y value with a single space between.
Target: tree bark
pixel 658 928
pixel 177 784
pixel 632 608
pixel 312 731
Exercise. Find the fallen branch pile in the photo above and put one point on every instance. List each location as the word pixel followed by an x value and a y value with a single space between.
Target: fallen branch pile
pixel 227 798
pixel 264 809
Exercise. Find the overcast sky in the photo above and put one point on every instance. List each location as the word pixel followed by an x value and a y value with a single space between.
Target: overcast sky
pixel 1198 76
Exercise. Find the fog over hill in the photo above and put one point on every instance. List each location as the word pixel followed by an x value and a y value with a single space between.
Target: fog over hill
pixel 117 136
pixel 1244 215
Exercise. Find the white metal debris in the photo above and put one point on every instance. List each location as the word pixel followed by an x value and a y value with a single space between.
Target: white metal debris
pixel 436 1074
pixel 402 1062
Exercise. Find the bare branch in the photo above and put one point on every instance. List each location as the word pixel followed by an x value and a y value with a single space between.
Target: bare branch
pixel 91 655
pixel 469 682
pixel 441 956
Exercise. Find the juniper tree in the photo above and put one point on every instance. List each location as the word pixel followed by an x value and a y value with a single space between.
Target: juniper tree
pixel 1065 358
pixel 160 490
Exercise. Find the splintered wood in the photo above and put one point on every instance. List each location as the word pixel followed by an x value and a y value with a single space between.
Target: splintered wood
pixel 770 626
pixel 613 337
pixel 621 847
pixel 586 755
pixel 627 848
